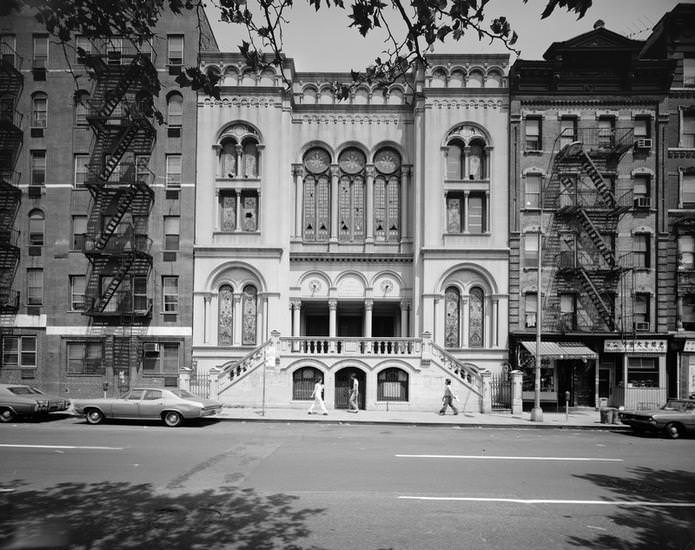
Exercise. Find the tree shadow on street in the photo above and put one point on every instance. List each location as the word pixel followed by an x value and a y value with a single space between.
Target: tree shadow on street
pixel 662 527
pixel 123 515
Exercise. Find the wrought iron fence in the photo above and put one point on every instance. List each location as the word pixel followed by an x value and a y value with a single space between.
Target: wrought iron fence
pixel 501 391
pixel 200 385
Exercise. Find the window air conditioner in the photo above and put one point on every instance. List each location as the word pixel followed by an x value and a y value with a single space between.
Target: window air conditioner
pixel 643 143
pixel 642 202
pixel 150 348
pixel 642 327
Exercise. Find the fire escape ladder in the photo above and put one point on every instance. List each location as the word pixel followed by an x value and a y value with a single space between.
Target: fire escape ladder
pixel 598 181
pixel 116 154
pixel 599 243
pixel 124 201
pixel 595 297
pixel 113 96
pixel 118 276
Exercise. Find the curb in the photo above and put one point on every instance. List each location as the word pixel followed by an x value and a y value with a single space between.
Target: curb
pixel 415 423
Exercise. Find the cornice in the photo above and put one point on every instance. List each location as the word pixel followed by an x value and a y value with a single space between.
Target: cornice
pixel 351 258
pixel 469 103
pixel 336 119
pixel 239 101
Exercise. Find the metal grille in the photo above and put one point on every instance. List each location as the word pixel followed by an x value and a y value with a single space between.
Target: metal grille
pixel 200 385
pixel 501 391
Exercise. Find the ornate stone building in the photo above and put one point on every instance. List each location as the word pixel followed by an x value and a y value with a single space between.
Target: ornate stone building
pixel 367 236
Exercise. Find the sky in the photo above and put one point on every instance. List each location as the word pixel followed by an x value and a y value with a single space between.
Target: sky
pixel 323 42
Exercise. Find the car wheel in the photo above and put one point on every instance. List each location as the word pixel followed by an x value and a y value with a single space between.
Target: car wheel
pixel 172 419
pixel 672 430
pixel 94 416
pixel 7 415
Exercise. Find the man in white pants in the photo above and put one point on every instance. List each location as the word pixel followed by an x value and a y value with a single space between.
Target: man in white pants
pixel 317 394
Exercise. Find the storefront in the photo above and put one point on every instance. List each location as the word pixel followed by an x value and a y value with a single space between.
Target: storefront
pixel 637 370
pixel 565 367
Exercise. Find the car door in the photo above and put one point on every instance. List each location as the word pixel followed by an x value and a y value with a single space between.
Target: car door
pixel 151 404
pixel 128 405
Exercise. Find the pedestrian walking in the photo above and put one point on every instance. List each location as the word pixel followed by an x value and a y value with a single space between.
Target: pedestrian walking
pixel 317 394
pixel 354 394
pixel 448 398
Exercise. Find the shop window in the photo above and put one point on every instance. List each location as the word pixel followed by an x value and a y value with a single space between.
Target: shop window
pixel 225 316
pixel 160 358
pixel 642 372
pixel 303 381
pixel 85 358
pixel 19 352
pixel 452 317
pixel 392 385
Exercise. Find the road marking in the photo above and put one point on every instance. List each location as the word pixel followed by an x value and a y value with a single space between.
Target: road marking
pixel 22 446
pixel 556 501
pixel 491 457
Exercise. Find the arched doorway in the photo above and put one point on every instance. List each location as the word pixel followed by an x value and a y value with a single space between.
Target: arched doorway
pixel 342 387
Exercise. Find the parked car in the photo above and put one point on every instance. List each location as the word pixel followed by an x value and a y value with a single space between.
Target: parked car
pixel 19 400
pixel 171 406
pixel 673 419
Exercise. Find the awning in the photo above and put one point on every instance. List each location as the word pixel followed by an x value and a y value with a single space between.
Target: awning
pixel 561 350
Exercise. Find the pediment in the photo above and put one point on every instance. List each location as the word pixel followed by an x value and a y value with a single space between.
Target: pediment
pixel 598 39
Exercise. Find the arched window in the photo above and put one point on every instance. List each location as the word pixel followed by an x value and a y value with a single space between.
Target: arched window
pixel 476 316
pixel 39 110
pixel 81 107
pixel 475 80
pixel 477 162
pixel 316 189
pixel 268 78
pixel 250 158
pixel 36 227
pixel 392 385
pixel 175 110
pixel 455 160
pixel 395 97
pixel 228 159
pixel 361 97
pixel 493 80
pixel 231 77
pixel 225 318
pixel 249 309
pixel 438 79
pixel 303 381
pixel 326 97
pixel 457 79
pixel 452 312
pixel 387 195
pixel 309 96
pixel 351 195
pixel 249 79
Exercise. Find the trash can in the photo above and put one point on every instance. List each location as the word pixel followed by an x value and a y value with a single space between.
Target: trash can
pixel 616 417
pixel 604 415
pixel 602 402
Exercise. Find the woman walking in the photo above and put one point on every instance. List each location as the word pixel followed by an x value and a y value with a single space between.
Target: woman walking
pixel 317 394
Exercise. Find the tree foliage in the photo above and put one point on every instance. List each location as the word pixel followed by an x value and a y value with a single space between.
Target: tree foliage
pixel 410 29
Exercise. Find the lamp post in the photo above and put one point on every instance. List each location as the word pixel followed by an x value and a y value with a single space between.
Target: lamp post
pixel 537 412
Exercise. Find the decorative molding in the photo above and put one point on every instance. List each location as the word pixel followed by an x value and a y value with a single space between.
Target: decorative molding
pixel 245 101
pixel 472 103
pixel 352 258
pixel 344 119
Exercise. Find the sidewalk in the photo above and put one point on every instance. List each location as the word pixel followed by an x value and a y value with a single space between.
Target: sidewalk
pixel 584 419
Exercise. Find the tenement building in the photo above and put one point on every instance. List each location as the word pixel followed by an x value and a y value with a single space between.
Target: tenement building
pixel 366 236
pixel 585 181
pixel 96 231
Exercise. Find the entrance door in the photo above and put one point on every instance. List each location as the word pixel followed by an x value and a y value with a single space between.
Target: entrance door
pixel 342 387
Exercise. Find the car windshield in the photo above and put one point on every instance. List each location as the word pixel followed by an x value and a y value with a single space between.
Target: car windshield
pixel 36 390
pixel 185 394
pixel 21 390
pixel 673 405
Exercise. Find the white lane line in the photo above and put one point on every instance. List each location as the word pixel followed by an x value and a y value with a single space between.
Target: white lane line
pixel 22 446
pixel 492 457
pixel 557 501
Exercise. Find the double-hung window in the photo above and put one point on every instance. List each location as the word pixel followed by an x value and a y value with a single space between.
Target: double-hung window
pixel 19 352
pixel 175 49
pixel 40 53
pixel 641 250
pixel 78 287
pixel 532 130
pixel 38 168
pixel 170 294
pixel 34 286
pixel 532 191
pixel 173 174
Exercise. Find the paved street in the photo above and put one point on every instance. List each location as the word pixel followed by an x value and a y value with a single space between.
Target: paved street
pixel 327 486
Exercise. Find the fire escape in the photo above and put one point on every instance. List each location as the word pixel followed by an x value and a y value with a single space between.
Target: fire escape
pixel 581 245
pixel 116 243
pixel 11 138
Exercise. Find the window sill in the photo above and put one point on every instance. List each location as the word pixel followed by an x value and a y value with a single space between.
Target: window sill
pixel 86 375
pixel 159 374
pixel 533 152
pixel 256 233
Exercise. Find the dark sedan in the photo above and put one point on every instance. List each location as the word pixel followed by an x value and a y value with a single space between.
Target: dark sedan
pixel 19 400
pixel 673 419
pixel 170 406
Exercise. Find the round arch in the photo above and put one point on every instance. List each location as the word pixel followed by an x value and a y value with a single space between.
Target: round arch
pixel 216 276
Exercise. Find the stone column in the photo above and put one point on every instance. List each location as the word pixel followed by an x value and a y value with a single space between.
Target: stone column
pixel 236 340
pixel 332 323
pixel 335 171
pixel 486 405
pixel 296 306
pixel 207 327
pixel 368 307
pixel 405 306
pixel 495 342
pixel 218 153
pixel 465 321
pixel 369 207
pixel 212 316
pixel 298 176
pixel 238 149
pixel 237 217
pixel 487 225
pixel 465 211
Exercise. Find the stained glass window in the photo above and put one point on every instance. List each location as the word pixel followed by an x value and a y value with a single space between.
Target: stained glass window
pixel 323 209
pixel 249 211
pixel 454 220
pixel 225 323
pixel 309 202
pixel 380 208
pixel 228 159
pixel 475 318
pixel 351 195
pixel 452 311
pixel 248 309
pixel 393 209
pixel 228 211
pixel 316 201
